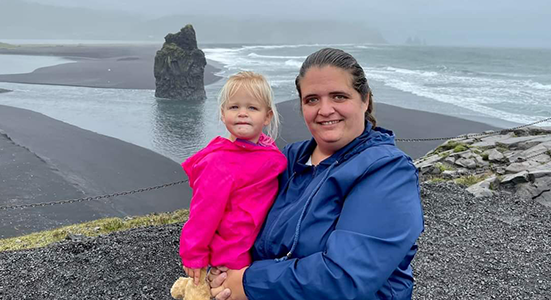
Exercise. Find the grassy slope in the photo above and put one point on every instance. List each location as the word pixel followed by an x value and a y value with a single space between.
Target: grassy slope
pixel 91 229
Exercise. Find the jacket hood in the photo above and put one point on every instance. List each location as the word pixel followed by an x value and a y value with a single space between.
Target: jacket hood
pixel 370 137
pixel 265 143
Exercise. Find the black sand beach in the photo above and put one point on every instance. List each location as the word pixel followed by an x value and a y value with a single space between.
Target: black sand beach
pixel 466 252
pixel 100 66
pixel 43 160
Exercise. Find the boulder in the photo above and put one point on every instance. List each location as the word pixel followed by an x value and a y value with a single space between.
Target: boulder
pixel 483 188
pixel 539 153
pixel 426 165
pixel 535 189
pixel 490 141
pixel 516 142
pixel 449 174
pixel 450 160
pixel 468 163
pixel 545 199
pixel 494 155
pixel 179 67
pixel 520 177
pixel 523 166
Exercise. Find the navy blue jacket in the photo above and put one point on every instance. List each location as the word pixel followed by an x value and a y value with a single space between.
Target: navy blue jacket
pixel 344 229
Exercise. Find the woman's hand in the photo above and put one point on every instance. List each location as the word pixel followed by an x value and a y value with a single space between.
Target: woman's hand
pixel 226 284
pixel 216 278
pixel 234 282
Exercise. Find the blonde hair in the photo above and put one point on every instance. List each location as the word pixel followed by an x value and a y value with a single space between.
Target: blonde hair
pixel 259 88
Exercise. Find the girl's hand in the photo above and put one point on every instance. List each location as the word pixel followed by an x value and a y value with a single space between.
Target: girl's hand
pixel 193 273
pixel 216 278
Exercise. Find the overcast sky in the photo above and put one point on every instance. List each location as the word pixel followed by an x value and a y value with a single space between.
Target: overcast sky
pixel 439 22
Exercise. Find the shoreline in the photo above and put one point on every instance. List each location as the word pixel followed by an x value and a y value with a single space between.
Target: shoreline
pixel 96 66
pixel 48 160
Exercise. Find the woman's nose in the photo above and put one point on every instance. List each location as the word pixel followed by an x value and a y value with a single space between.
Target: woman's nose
pixel 325 108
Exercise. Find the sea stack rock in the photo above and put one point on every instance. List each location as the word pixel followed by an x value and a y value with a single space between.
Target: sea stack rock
pixel 179 67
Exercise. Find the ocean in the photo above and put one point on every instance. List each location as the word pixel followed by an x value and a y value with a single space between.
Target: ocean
pixel 498 86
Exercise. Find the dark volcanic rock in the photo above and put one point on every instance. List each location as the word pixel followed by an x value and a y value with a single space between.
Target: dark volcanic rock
pixel 179 67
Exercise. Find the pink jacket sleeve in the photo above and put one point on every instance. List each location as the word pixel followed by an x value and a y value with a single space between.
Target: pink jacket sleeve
pixel 212 186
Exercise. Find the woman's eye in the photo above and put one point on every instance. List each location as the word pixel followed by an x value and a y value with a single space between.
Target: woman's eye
pixel 340 97
pixel 310 100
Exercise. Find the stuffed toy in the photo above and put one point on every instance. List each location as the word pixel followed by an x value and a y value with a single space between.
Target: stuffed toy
pixel 184 288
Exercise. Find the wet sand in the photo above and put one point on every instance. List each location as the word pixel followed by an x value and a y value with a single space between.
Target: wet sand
pixel 43 160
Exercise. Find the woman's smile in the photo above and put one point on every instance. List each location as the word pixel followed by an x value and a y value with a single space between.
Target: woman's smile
pixel 325 123
pixel 333 110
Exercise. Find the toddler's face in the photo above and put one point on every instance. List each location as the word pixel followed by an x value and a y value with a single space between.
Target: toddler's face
pixel 245 116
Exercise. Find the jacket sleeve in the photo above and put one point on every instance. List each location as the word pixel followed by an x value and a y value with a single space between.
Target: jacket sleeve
pixel 212 186
pixel 380 221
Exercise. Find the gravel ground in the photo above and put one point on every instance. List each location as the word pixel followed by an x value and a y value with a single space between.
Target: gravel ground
pixel 493 248
pixel 485 248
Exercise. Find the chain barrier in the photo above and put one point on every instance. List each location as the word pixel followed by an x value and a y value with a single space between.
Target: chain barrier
pixel 52 203
pixel 42 204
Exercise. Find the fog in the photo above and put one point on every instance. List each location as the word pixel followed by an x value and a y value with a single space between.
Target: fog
pixel 503 23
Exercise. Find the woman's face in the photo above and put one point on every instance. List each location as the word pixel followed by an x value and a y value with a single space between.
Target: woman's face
pixel 333 110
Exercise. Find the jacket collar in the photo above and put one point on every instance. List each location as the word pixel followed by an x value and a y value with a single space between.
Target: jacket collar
pixel 370 137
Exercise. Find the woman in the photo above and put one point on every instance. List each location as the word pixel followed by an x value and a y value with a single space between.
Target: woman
pixel 348 211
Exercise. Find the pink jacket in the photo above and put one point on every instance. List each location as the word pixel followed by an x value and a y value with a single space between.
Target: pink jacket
pixel 234 185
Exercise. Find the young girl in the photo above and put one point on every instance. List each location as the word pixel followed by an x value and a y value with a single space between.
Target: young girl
pixel 234 180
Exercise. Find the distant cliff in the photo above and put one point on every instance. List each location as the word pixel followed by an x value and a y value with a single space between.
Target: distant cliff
pixel 179 67
pixel 56 22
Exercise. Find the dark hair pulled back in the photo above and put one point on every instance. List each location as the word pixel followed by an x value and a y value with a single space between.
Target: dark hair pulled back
pixel 340 59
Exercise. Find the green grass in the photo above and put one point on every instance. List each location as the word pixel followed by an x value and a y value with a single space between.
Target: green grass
pixel 502 149
pixel 91 229
pixel 444 167
pixel 485 156
pixel 460 148
pixel 470 180
pixel 450 145
pixel 444 154
pixel 437 179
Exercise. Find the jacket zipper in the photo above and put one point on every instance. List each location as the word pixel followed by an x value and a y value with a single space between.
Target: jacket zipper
pixel 269 233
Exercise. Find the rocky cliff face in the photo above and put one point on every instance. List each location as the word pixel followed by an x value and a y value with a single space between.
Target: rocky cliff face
pixel 179 67
pixel 516 162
